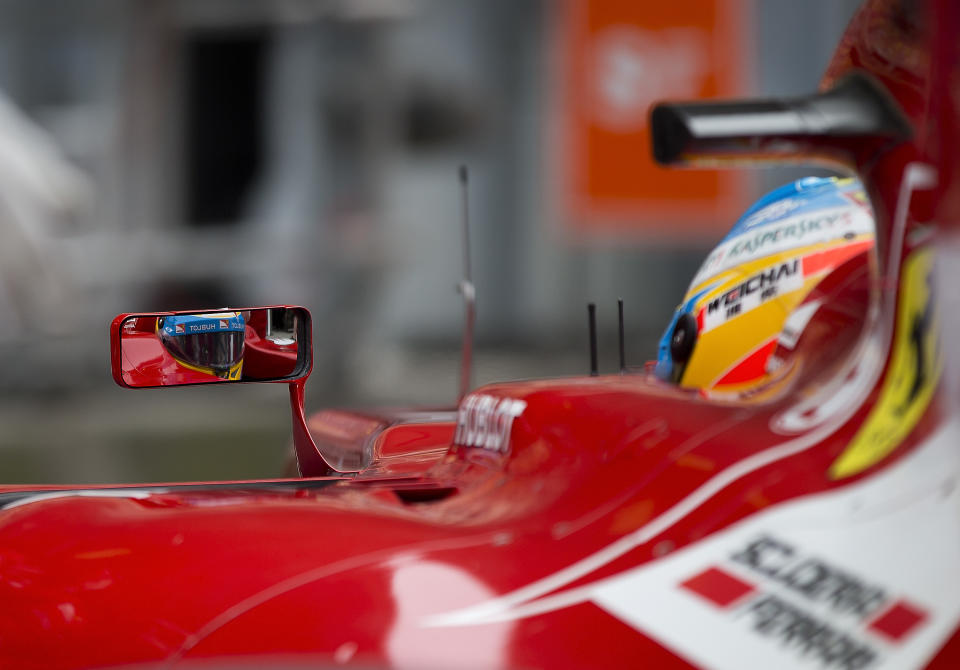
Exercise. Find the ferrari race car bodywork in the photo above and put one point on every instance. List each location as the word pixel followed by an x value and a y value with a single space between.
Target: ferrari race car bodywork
pixel 610 521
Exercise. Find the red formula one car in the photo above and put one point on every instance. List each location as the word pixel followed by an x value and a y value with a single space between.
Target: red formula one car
pixel 811 520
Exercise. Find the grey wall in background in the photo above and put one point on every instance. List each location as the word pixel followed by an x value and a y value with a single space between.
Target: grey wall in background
pixel 356 211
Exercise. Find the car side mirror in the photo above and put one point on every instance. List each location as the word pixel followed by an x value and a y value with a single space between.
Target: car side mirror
pixel 262 344
pixel 258 344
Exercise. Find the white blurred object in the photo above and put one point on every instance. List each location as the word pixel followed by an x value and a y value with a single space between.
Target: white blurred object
pixel 633 68
pixel 40 194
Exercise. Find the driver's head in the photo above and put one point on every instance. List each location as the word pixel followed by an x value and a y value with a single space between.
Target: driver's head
pixel 753 297
pixel 209 343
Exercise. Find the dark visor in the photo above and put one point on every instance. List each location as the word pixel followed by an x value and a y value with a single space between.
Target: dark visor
pixel 220 351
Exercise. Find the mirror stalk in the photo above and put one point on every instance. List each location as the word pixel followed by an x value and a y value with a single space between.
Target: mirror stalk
pixel 310 462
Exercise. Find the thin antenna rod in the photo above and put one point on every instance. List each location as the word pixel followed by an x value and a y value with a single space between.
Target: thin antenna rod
pixel 468 292
pixel 465 191
pixel 623 356
pixel 592 320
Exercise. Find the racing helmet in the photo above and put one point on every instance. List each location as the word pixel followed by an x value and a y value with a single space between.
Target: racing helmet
pixel 757 292
pixel 209 343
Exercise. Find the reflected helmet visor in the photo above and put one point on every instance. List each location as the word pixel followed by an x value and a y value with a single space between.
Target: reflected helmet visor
pixel 214 343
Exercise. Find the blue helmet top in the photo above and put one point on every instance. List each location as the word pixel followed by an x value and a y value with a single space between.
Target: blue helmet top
pixel 810 194
pixel 196 324
pixel 211 343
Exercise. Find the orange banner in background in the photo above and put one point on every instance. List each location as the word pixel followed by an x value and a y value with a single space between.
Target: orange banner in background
pixel 619 57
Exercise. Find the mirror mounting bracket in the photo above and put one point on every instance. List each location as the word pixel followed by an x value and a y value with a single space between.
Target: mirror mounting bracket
pixel 141 358
pixel 310 462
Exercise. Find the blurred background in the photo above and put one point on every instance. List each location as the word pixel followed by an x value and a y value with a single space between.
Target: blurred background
pixel 164 154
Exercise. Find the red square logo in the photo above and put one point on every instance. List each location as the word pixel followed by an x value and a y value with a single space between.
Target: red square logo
pixel 719 587
pixel 897 622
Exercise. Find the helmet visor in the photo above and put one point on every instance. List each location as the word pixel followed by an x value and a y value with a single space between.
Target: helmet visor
pixel 220 351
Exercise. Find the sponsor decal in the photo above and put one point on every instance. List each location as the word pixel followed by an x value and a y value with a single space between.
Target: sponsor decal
pixel 178 329
pixel 719 587
pixel 773 211
pixel 753 244
pixel 201 327
pixel 486 421
pixel 778 236
pixel 769 283
pixel 224 323
pixel 811 577
pixel 915 367
pixel 821 614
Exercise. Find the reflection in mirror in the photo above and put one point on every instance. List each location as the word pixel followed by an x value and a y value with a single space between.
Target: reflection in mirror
pixel 261 344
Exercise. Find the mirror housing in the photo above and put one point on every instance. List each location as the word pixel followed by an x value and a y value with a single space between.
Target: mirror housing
pixel 276 346
pixel 262 344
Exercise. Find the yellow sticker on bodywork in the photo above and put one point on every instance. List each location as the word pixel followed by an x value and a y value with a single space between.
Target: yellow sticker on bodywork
pixel 915 367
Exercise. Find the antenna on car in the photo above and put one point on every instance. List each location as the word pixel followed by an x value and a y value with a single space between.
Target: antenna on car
pixel 623 356
pixel 466 289
pixel 592 322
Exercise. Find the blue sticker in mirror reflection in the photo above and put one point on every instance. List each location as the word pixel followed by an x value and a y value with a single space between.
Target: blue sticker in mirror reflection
pixel 194 324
